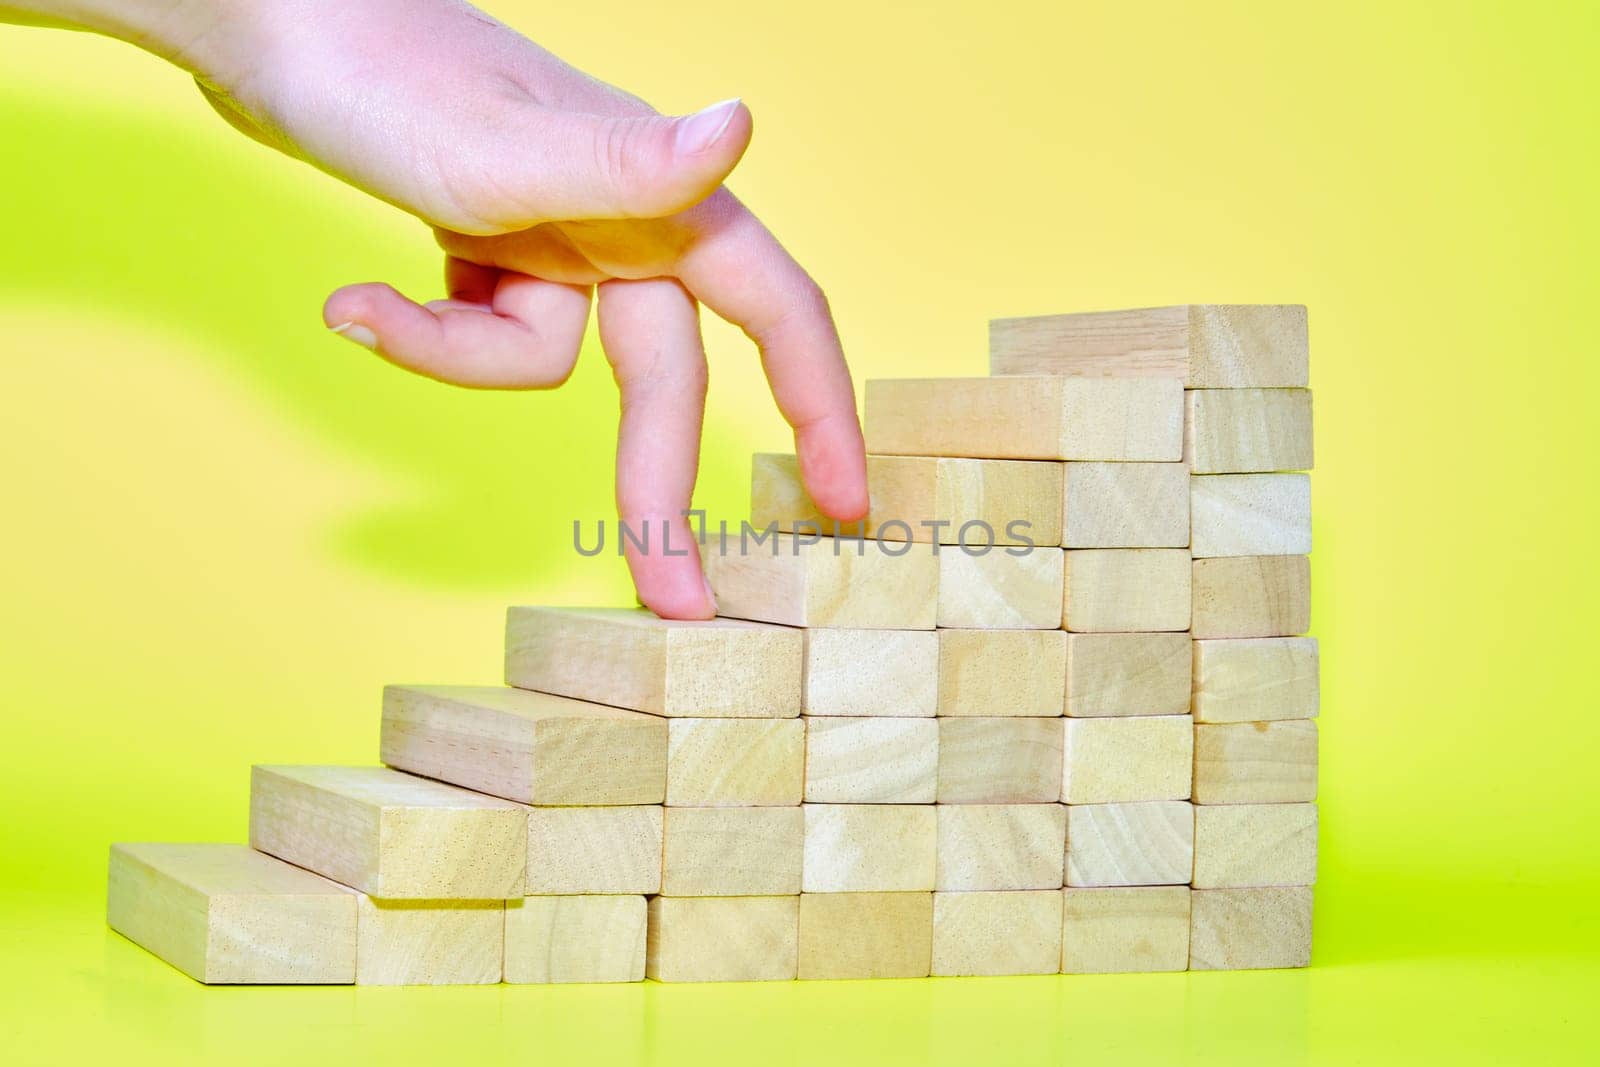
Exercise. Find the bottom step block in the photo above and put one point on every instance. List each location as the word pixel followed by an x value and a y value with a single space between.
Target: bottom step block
pixel 722 939
pixel 865 935
pixel 575 939
pixel 1125 929
pixel 997 933
pixel 430 942
pixel 1250 929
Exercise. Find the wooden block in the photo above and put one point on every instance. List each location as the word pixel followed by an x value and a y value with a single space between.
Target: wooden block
pixel 1255 762
pixel 1126 590
pixel 1242 845
pixel 1250 929
pixel 1240 431
pixel 1125 505
pixel 731 852
pixel 1130 844
pixel 721 762
pixel 430 942
pixel 1000 846
pixel 869 848
pixel 999 760
pixel 1002 672
pixel 575 939
pixel 923 498
pixel 1250 514
pixel 1000 591
pixel 228 914
pixel 997 933
pixel 798 580
pixel 1256 679
pixel 390 834
pixel 526 746
pixel 1026 418
pixel 865 935
pixel 722 939
pixel 1127 674
pixel 1123 760
pixel 1252 596
pixel 871 672
pixel 594 850
pixel 1205 346
pixel 1110 931
pixel 871 761
pixel 720 668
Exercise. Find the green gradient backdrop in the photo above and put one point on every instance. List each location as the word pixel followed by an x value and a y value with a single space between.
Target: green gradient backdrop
pixel 225 530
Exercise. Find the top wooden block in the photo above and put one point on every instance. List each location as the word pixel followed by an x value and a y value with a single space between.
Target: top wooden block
pixel 825 581
pixel 1027 418
pixel 721 668
pixel 1204 346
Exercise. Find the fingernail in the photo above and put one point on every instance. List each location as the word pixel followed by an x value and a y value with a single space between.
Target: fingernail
pixel 701 130
pixel 354 331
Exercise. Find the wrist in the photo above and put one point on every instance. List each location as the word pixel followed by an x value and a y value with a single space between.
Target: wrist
pixel 197 35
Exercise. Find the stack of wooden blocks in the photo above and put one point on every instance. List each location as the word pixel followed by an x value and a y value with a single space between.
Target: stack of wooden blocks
pixel 1045 710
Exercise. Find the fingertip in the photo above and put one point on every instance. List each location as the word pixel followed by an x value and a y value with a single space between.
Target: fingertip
pixel 674 589
pixel 834 469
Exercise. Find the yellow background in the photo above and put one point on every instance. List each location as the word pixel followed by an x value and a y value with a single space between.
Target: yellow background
pixel 224 530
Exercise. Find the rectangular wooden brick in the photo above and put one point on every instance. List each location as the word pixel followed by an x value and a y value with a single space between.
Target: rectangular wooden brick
pixel 999 760
pixel 1110 931
pixel 869 848
pixel 1126 590
pixel 1125 505
pixel 1000 846
pixel 1251 596
pixel 1245 845
pixel 799 580
pixel 1242 431
pixel 722 939
pixel 1250 929
pixel 735 762
pixel 994 673
pixel 1150 843
pixel 871 761
pixel 871 672
pixel 1255 762
pixel 997 933
pixel 430 942
pixel 575 939
pixel 1000 591
pixel 1123 760
pixel 1249 514
pixel 1127 674
pixel 594 850
pixel 865 935
pixel 731 852
pixel 1256 679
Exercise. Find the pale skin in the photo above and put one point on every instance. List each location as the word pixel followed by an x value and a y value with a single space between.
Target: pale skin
pixel 546 190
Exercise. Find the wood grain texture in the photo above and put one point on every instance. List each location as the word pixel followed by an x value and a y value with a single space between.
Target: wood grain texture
pixel 731 852
pixel 1130 844
pixel 871 761
pixel 531 747
pixel 575 939
pixel 871 672
pixel 993 673
pixel 1043 418
pixel 1255 762
pixel 721 668
pixel 997 933
pixel 999 760
pixel 227 914
pixel 1250 929
pixel 1000 591
pixel 1244 845
pixel 722 939
pixel 1124 760
pixel 1112 931
pixel 1242 431
pixel 1126 590
pixel 865 935
pixel 1127 674
pixel 1125 505
pixel 1256 679
pixel 1250 515
pixel 390 834
pixel 430 942
pixel 1000 846
pixel 1251 596
pixel 800 581
pixel 726 762
pixel 869 848
pixel 594 850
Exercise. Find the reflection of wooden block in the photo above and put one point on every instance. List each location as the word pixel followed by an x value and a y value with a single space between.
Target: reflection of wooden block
pixel 871 761
pixel 575 939
pixel 1124 590
pixel 594 850
pixel 865 935
pixel 869 848
pixel 1000 846
pixel 871 672
pixel 1246 929
pixel 999 760
pixel 1252 596
pixel 228 914
pixel 1255 762
pixel 532 747
pixel 1122 760
pixel 997 933
pixel 722 762
pixel 1255 679
pixel 719 668
pixel 731 852
pixel 1254 845
pixel 923 498
pixel 722 939
pixel 1239 431
pixel 430 942
pixel 1026 418
pixel 1250 514
pixel 1126 505
pixel 1130 844
pixel 1205 346
pixel 1108 931
pixel 798 580
pixel 389 834
pixel 1000 591
pixel 1002 672
pixel 1127 674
